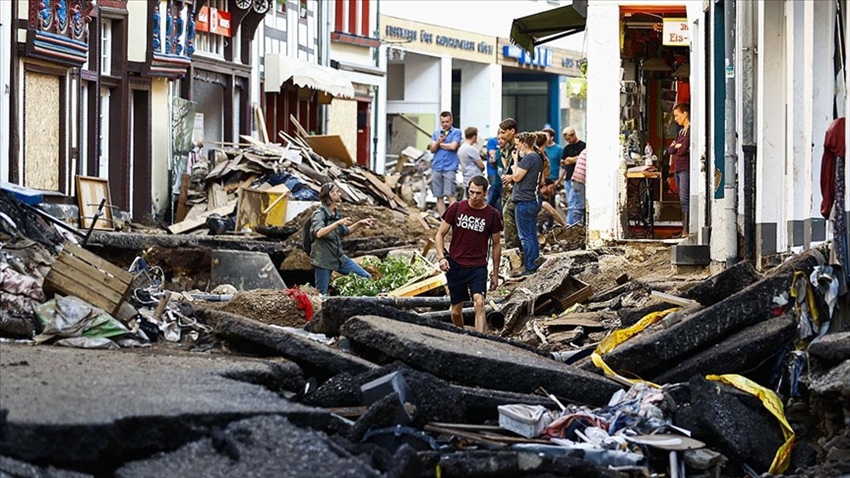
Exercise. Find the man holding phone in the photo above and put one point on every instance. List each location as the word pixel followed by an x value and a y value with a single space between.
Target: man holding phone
pixel 444 145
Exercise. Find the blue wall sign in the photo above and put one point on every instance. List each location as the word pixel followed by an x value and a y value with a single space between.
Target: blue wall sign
pixel 542 56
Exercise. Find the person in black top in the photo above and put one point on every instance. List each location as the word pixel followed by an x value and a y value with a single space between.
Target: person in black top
pixel 572 149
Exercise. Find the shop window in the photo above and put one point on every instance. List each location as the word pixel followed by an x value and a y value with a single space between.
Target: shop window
pixel 106 46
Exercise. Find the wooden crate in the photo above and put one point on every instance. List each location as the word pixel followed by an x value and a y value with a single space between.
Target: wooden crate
pixel 82 274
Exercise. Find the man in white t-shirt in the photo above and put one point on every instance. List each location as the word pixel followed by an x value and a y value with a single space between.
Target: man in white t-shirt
pixel 470 160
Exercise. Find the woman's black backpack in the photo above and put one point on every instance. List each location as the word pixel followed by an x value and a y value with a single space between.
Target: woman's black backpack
pixel 307 237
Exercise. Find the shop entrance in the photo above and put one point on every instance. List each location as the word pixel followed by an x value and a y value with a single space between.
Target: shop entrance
pixel 655 71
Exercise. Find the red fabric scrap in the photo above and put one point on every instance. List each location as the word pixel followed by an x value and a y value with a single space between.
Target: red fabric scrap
pixel 302 301
pixel 833 146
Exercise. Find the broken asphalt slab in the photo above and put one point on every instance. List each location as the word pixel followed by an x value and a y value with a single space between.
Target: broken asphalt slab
pixel 739 353
pixel 256 337
pixel 259 446
pixel 831 348
pixel 477 361
pixel 733 420
pixel 92 408
pixel 337 310
pixel 656 349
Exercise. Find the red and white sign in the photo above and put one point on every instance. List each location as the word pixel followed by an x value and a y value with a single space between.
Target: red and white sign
pixel 675 32
pixel 214 21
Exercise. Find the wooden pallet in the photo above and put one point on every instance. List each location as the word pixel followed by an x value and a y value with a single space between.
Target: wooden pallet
pixel 83 274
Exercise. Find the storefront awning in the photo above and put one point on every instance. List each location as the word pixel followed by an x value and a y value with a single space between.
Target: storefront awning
pixel 543 27
pixel 280 68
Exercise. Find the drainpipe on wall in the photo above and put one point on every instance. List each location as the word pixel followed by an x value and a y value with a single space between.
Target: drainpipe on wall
pixel 748 104
pixel 730 229
pixel 376 92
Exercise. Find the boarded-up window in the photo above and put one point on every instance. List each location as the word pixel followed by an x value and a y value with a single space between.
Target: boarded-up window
pixel 42 134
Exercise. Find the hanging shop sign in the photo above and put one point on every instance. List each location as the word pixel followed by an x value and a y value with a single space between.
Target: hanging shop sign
pixel 675 32
pixel 542 56
pixel 411 35
pixel 214 21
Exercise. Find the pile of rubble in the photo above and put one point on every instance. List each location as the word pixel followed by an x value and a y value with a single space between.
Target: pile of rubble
pixel 293 171
pixel 735 374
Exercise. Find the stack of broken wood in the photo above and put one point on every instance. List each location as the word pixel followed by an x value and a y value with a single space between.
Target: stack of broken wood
pixel 247 166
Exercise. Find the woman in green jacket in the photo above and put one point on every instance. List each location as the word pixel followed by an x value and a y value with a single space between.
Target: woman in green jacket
pixel 328 229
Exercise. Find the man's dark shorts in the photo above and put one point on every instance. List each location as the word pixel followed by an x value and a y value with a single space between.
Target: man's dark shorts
pixel 465 282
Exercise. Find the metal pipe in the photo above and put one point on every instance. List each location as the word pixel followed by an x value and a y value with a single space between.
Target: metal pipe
pixel 730 229
pixel 748 144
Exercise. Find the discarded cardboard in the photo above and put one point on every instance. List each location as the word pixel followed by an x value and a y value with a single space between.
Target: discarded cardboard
pixel 80 273
pixel 196 222
pixel 331 147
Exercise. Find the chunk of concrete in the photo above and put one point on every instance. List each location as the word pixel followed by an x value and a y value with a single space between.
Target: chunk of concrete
pixel 88 408
pixel 724 284
pixel 740 352
pixel 477 361
pixel 831 348
pixel 655 349
pixel 733 421
pixel 336 310
pixel 259 446
pixel 244 270
pixel 690 255
pixel 315 358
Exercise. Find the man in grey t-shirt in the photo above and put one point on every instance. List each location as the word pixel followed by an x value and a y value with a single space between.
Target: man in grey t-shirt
pixel 470 160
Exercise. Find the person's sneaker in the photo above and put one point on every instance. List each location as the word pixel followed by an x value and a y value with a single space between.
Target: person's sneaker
pixel 528 272
pixel 539 262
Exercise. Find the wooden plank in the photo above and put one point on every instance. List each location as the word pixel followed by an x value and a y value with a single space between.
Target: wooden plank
pixel 216 196
pixel 97 261
pixel 77 280
pixel 74 268
pixel 189 224
pixel 181 200
pixel 417 288
pixel 303 132
pixel 83 289
pixel 261 124
pixel 671 299
pixel 568 321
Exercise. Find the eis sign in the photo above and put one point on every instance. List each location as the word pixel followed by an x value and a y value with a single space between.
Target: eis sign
pixel 675 32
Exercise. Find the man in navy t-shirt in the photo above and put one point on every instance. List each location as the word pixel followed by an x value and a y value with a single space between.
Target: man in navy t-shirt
pixel 474 224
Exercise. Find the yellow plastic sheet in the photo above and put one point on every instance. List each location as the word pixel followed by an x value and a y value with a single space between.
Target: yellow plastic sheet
pixel 617 337
pixel 774 406
pixel 597 360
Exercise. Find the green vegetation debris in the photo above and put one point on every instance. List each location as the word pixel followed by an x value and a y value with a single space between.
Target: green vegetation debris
pixel 393 272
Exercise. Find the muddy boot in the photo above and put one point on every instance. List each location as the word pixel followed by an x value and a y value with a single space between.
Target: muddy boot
pixel 685 224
